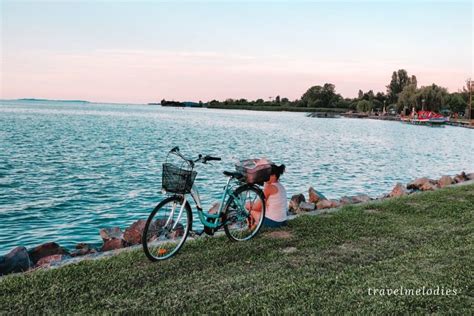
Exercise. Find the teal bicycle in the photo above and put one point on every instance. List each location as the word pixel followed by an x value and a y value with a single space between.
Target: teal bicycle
pixel 171 221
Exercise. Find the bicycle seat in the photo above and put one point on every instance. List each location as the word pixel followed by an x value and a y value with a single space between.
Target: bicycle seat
pixel 232 174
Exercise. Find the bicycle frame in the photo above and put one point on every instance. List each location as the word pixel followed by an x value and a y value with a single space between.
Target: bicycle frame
pixel 203 216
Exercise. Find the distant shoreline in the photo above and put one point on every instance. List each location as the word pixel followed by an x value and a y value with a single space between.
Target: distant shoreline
pixel 46 100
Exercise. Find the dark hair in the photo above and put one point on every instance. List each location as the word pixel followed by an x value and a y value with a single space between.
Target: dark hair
pixel 278 170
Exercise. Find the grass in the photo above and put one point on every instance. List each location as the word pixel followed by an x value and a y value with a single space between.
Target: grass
pixel 319 264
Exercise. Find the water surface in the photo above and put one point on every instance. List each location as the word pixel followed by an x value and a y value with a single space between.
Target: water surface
pixel 69 169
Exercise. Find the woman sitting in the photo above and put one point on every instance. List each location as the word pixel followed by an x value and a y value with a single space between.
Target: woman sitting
pixel 275 201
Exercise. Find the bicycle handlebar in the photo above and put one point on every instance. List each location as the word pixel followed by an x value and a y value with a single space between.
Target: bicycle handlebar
pixel 209 158
pixel 201 158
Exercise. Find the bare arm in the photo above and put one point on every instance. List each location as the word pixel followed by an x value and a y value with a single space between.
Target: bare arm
pixel 269 189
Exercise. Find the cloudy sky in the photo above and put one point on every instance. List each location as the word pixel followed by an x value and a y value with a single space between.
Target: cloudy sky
pixel 137 52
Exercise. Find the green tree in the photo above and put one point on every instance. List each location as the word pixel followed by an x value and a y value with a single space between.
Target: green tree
pixel 277 99
pixel 433 97
pixel 380 96
pixel 364 106
pixel 343 103
pixel 407 98
pixel 321 96
pixel 369 95
pixel 456 102
pixel 214 103
pixel 400 80
pixel 378 105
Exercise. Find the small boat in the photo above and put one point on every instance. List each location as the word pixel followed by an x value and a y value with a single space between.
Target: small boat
pixel 428 118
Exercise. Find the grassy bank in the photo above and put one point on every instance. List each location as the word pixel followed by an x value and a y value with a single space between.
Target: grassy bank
pixel 276 108
pixel 318 264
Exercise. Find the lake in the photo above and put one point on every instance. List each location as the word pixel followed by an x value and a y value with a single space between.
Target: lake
pixel 68 169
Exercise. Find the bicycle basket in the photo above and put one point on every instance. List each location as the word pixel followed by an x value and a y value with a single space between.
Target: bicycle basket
pixel 177 180
pixel 255 171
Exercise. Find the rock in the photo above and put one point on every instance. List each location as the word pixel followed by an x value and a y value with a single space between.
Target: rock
pixel 460 177
pixel 445 181
pixel 17 260
pixel 315 196
pixel 82 252
pixel 470 176
pixel 133 234
pixel 295 202
pixel 345 200
pixel 178 232
pixel 83 249
pixel 335 203
pixel 361 198
pixel 428 186
pixel 306 207
pixel 110 233
pixel 45 250
pixel 398 190
pixel 112 244
pixel 418 183
pixel 51 260
pixel 82 245
pixel 322 204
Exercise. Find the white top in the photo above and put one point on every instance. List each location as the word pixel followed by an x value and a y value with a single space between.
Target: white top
pixel 276 204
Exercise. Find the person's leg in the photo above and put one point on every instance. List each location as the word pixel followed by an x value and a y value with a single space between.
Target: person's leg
pixel 255 210
pixel 273 224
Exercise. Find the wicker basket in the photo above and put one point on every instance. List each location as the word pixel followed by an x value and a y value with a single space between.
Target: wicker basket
pixel 177 180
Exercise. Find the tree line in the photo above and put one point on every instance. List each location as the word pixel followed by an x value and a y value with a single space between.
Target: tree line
pixel 402 94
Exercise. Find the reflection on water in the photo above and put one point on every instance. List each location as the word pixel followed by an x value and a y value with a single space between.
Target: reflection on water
pixel 67 170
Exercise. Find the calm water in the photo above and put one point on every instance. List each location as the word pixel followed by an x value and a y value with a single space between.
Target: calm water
pixel 67 170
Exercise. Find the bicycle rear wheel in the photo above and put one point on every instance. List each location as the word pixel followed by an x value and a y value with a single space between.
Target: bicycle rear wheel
pixel 167 228
pixel 244 213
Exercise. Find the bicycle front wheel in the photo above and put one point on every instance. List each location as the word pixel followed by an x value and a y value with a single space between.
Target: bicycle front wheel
pixel 167 228
pixel 244 213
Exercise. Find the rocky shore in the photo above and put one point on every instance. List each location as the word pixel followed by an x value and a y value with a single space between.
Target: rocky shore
pixel 316 201
pixel 52 254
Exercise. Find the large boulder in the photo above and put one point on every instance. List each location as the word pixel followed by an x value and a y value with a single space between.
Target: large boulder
pixel 306 207
pixel 460 177
pixel 445 181
pixel 335 203
pixel 295 202
pixel 361 198
pixel 51 260
pixel 323 204
pixel 428 186
pixel 314 196
pixel 45 250
pixel 113 244
pixel 398 190
pixel 110 233
pixel 417 183
pixel 470 176
pixel 83 249
pixel 133 234
pixel 345 200
pixel 17 260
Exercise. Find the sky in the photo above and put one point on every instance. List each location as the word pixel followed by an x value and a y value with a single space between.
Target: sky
pixel 139 52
